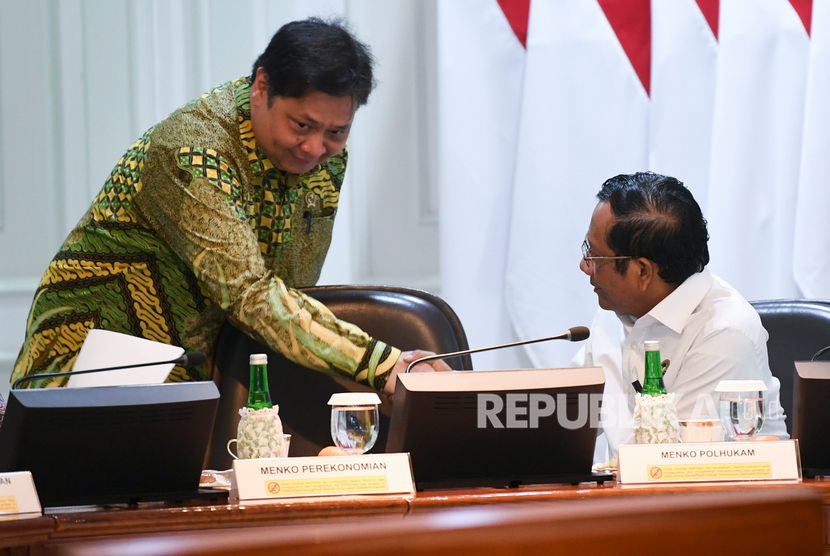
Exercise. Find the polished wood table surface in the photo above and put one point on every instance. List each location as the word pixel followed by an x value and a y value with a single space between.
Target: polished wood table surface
pixel 69 525
pixel 433 499
pixel 759 522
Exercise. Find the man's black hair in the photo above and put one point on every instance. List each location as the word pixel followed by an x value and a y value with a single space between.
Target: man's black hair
pixel 656 217
pixel 317 55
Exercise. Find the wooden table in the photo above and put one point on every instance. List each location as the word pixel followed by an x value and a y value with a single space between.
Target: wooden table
pixel 307 520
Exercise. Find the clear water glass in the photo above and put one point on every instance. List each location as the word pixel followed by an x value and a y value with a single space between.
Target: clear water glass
pixel 741 414
pixel 354 428
pixel 354 421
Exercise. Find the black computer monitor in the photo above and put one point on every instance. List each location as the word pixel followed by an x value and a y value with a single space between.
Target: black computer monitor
pixel 811 416
pixel 110 444
pixel 498 428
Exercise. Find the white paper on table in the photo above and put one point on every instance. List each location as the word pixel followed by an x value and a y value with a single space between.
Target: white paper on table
pixel 103 348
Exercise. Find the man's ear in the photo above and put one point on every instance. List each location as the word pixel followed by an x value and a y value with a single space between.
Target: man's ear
pixel 646 272
pixel 260 85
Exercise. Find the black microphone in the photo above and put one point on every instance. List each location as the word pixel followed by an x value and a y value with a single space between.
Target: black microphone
pixel 575 334
pixel 189 359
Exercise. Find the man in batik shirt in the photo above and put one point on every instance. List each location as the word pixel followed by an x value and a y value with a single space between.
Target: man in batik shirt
pixel 220 212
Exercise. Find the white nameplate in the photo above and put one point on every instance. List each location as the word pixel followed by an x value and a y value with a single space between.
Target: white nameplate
pixel 276 478
pixel 18 496
pixel 709 461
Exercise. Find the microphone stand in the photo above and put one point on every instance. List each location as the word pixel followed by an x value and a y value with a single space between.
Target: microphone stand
pixel 575 334
pixel 183 359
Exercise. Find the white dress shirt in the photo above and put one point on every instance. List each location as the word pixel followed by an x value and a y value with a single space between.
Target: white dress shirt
pixel 707 331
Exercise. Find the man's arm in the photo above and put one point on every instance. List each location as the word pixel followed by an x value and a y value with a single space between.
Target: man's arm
pixel 205 225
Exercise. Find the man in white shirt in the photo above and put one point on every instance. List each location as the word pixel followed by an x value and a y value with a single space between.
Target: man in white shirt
pixel 646 255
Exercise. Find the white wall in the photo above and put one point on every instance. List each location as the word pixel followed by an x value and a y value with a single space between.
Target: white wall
pixel 80 80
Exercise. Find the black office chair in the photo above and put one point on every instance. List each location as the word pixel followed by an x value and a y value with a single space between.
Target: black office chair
pixel 798 329
pixel 405 318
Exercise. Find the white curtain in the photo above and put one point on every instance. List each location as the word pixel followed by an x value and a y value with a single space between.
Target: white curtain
pixel 756 145
pixel 734 104
pixel 812 225
pixel 584 118
pixel 480 68
pixel 684 61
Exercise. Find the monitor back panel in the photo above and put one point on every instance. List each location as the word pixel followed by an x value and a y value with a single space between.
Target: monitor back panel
pixel 109 444
pixel 811 415
pixel 458 438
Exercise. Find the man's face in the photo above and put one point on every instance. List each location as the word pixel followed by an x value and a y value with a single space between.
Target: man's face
pixel 296 134
pixel 615 292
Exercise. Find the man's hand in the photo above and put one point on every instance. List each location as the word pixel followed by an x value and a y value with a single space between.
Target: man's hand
pixel 404 360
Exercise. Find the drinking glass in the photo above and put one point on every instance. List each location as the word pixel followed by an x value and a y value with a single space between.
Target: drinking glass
pixel 741 408
pixel 354 421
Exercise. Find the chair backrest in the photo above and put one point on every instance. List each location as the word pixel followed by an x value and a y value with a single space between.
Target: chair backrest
pixel 405 318
pixel 798 328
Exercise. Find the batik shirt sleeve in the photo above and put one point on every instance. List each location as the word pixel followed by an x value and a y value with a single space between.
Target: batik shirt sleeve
pixel 200 207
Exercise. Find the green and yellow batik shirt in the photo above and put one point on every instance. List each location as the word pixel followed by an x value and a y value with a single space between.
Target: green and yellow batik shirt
pixel 194 226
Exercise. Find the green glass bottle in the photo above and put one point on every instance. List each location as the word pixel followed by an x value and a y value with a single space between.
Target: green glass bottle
pixel 258 394
pixel 653 382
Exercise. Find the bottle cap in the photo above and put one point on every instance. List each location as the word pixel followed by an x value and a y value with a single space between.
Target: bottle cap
pixel 259 359
pixel 354 398
pixel 652 345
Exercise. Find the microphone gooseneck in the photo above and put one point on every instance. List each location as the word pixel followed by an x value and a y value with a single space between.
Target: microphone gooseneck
pixel 575 334
pixel 189 359
pixel 819 353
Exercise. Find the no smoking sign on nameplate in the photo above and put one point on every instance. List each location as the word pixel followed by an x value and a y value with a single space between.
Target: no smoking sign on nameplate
pixel 709 461
pixel 276 478
pixel 18 496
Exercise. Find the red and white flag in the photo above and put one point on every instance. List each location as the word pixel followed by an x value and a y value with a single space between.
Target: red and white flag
pixel 756 145
pixel 683 66
pixel 584 119
pixel 726 95
pixel 811 251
